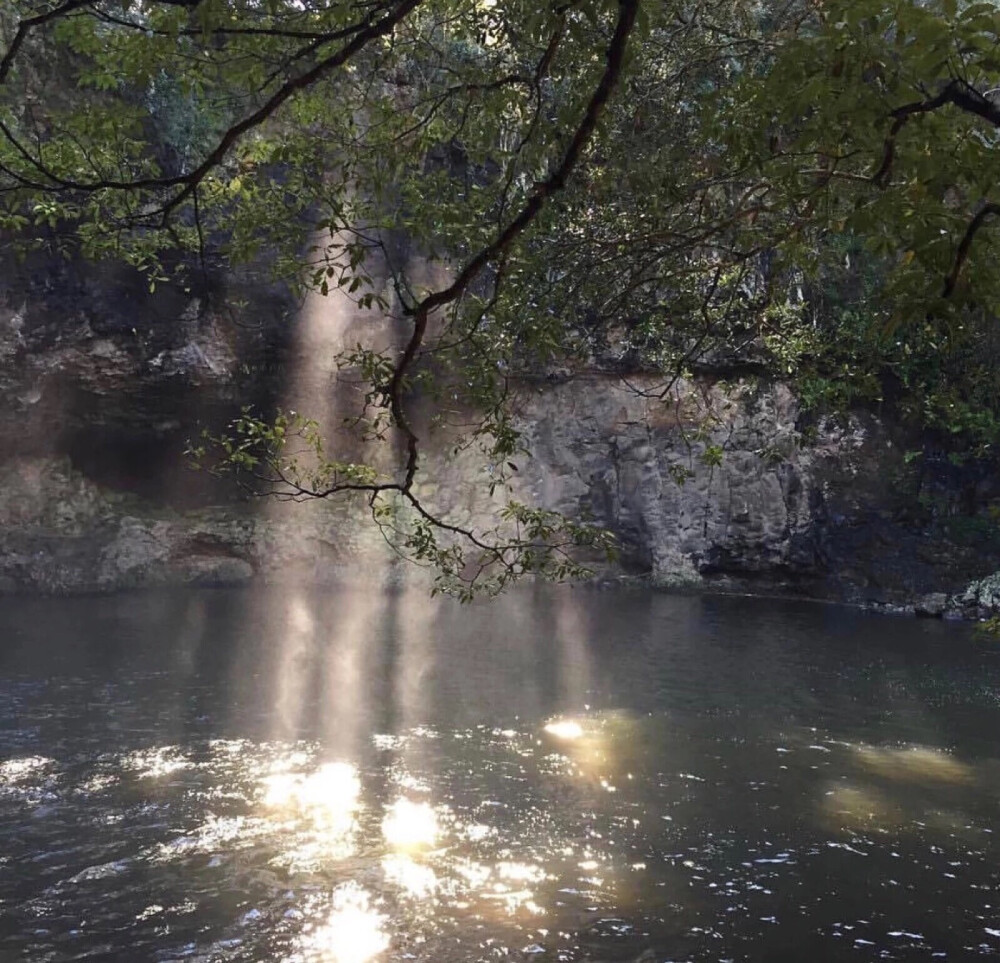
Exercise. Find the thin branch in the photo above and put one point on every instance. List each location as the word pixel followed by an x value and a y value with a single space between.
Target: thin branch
pixel 26 26
pixel 957 93
pixel 965 245
pixel 378 29
pixel 283 32
pixel 190 181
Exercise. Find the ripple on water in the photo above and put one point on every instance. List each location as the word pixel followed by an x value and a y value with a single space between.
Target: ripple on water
pixel 701 808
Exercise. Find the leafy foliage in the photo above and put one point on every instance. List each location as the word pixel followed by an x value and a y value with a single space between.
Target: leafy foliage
pixel 285 458
pixel 787 189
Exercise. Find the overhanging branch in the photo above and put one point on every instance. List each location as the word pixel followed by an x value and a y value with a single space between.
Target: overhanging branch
pixel 956 93
pixel 188 183
pixel 614 64
pixel 26 26
pixel 965 245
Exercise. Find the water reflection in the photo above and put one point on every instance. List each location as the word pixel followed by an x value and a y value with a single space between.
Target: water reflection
pixel 418 881
pixel 328 795
pixel 292 669
pixel 352 932
pixel 918 764
pixel 369 780
pixel 410 825
pixel 565 729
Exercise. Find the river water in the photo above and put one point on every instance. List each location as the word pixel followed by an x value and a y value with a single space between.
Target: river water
pixel 349 776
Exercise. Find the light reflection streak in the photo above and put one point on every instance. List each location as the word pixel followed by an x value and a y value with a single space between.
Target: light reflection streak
pixel 416 880
pixel 344 709
pixel 291 671
pixel 190 627
pixel 898 788
pixel 327 326
pixel 415 624
pixel 914 764
pixel 410 825
pixel 572 636
pixel 352 932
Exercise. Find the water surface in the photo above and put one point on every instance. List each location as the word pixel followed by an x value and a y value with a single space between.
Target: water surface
pixel 350 776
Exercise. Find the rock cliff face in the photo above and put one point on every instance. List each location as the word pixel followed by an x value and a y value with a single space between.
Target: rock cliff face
pixel 724 486
pixel 715 485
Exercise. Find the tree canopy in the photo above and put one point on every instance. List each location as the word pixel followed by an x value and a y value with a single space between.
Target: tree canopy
pixel 790 188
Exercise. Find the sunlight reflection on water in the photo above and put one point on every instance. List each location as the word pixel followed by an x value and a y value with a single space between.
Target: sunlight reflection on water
pixel 565 729
pixel 409 825
pixel 385 819
pixel 352 932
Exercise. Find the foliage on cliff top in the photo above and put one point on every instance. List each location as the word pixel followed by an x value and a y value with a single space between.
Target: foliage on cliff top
pixel 788 187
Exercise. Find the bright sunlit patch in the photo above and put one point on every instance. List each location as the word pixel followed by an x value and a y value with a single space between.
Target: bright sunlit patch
pixel 153 763
pixel 476 832
pixel 407 782
pixel 503 885
pixel 329 794
pixel 230 747
pixel 475 874
pixel 415 880
pixel 521 872
pixel 408 825
pixel 327 801
pixel 354 932
pixel 914 764
pixel 218 835
pixel 564 729
pixel 19 770
pixel 287 761
pixel 96 784
pixel 513 900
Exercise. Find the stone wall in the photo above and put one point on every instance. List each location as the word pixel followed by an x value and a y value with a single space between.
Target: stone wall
pixel 716 485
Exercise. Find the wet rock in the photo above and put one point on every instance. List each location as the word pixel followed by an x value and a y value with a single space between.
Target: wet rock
pixel 932 605
pixel 982 596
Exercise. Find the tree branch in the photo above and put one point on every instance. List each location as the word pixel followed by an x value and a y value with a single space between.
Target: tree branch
pixel 615 61
pixel 958 93
pixel 190 181
pixel 26 26
pixel 965 245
